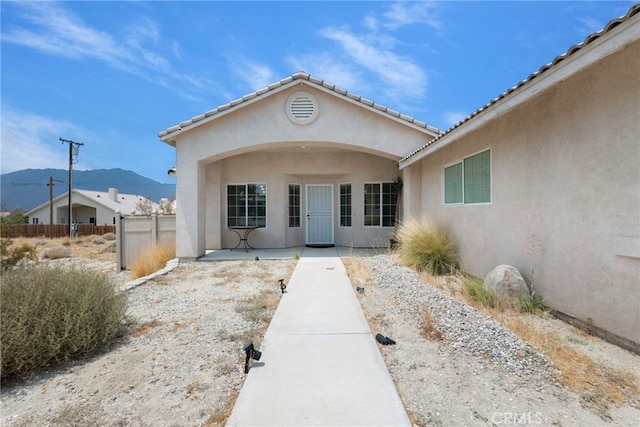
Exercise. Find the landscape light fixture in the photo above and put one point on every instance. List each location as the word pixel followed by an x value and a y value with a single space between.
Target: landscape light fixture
pixel 283 286
pixel 251 353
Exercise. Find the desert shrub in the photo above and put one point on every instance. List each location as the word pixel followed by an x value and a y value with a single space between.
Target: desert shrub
pixel 56 252
pixel 531 304
pixel 109 236
pixel 50 315
pixel 110 248
pixel 11 256
pixel 99 241
pixel 425 246
pixel 477 294
pixel 153 259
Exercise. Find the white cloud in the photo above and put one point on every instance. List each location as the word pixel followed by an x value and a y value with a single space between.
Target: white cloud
pixel 401 75
pixel 453 117
pixel 253 74
pixel 405 13
pixel 328 67
pixel 50 28
pixel 31 141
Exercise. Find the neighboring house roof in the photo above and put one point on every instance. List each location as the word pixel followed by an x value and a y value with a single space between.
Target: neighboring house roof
pixel 544 70
pixel 127 203
pixel 295 78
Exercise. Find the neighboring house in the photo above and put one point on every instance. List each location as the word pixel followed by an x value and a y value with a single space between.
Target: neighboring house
pixel 546 177
pixel 91 207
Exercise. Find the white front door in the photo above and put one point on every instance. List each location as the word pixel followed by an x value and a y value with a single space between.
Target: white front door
pixel 319 214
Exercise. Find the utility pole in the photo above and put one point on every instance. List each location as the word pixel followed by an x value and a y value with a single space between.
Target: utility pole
pixel 73 150
pixel 51 184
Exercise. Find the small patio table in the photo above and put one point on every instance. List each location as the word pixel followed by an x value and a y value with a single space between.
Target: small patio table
pixel 244 237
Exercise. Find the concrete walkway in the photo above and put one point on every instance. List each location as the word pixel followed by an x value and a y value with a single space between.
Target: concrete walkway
pixel 320 363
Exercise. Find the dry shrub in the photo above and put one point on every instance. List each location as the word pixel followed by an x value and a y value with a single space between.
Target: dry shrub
pixel 145 328
pixel 152 260
pixel 358 272
pixel 426 246
pixel 428 329
pixel 50 315
pixel 12 255
pixel 56 252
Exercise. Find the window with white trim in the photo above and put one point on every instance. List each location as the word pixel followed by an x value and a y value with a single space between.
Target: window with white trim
pixel 294 205
pixel 247 205
pixel 380 204
pixel 345 205
pixel 468 181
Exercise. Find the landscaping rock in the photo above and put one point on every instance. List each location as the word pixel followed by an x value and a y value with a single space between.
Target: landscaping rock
pixel 506 280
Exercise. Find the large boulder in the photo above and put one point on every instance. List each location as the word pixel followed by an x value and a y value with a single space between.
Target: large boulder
pixel 506 280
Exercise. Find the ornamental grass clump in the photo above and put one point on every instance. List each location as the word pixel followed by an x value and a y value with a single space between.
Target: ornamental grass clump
pixel 426 246
pixel 50 315
pixel 152 259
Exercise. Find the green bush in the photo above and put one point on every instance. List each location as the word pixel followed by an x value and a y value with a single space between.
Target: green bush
pixel 476 292
pixel 50 315
pixel 426 246
pixel 531 304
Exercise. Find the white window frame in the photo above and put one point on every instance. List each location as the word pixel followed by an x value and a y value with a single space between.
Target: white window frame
pixel 340 204
pixel 299 205
pixel 381 214
pixel 266 202
pixel 461 160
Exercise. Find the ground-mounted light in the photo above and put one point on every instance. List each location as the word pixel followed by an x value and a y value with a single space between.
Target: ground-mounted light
pixel 251 353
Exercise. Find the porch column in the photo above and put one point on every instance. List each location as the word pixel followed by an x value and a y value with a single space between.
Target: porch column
pixel 190 207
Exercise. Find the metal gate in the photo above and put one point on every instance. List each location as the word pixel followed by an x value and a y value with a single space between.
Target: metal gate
pixel 319 214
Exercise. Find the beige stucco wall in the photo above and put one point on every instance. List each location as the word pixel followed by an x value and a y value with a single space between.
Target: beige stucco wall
pixel 565 203
pixel 278 170
pixel 259 143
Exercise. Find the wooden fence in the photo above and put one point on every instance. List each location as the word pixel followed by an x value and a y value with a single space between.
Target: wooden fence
pixel 55 230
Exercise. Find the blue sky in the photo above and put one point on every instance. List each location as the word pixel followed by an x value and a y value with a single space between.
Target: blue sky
pixel 114 74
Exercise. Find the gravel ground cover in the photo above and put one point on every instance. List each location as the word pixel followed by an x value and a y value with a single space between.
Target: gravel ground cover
pixel 179 362
pixel 479 373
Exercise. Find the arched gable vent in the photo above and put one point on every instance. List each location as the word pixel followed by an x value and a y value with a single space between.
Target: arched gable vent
pixel 302 108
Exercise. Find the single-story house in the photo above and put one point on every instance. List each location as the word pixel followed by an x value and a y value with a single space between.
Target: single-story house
pixel 91 207
pixel 545 177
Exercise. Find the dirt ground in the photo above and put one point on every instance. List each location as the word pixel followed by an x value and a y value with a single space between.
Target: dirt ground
pixel 178 361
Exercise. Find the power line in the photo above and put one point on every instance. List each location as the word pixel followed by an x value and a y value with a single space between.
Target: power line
pixel 73 150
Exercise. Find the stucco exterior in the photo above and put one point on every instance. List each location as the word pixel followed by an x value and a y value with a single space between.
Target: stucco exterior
pixel 565 186
pixel 348 142
pixel 564 154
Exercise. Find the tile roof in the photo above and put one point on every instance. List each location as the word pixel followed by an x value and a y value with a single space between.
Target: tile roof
pixel 127 203
pixel 287 81
pixel 635 9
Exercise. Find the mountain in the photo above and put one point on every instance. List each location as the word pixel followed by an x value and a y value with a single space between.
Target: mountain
pixel 28 189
